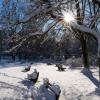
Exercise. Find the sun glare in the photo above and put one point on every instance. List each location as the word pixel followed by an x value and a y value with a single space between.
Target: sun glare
pixel 68 17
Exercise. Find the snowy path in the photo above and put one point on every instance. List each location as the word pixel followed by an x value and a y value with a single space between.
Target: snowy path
pixel 74 85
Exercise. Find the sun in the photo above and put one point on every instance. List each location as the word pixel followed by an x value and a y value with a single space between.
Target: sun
pixel 68 17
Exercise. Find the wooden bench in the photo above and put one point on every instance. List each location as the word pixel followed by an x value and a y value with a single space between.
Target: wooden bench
pixel 35 80
pixel 60 67
pixel 27 69
pixel 56 92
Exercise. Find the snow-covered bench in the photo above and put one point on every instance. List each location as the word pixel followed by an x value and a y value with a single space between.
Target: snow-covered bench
pixel 46 91
pixel 27 69
pixel 56 90
pixel 34 76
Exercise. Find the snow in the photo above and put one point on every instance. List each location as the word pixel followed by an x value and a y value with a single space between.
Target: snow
pixel 73 83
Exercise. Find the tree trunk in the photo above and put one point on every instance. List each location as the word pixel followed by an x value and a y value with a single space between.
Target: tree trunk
pixel 82 39
pixel 84 52
pixel 99 68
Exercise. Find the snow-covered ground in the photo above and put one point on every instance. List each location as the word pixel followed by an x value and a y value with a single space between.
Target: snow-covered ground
pixel 74 85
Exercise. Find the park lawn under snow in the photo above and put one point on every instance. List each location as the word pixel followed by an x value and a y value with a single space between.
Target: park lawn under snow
pixel 74 85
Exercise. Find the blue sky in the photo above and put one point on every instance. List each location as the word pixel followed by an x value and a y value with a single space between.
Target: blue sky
pixel 0 5
pixel 1 1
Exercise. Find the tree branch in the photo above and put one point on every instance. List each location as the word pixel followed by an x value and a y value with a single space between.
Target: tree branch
pixel 86 30
pixel 96 2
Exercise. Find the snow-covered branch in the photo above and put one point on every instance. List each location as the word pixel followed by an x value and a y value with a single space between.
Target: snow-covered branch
pixel 29 36
pixel 83 29
pixel 39 11
pixel 23 41
pixel 44 10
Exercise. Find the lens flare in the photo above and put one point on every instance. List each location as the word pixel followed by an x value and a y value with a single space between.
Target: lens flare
pixel 68 17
